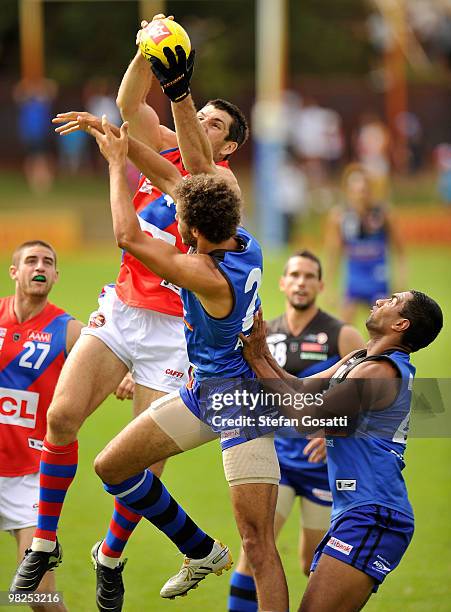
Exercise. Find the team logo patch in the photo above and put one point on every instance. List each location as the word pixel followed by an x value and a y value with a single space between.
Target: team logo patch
pixel 322 338
pixel 381 567
pixel 16 337
pixel 146 186
pixel 97 319
pixel 40 336
pixel 3 331
pixel 190 327
pixel 36 444
pixel 230 434
pixel 339 545
pixel 346 485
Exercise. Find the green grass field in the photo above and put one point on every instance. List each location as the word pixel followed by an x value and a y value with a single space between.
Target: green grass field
pixel 421 582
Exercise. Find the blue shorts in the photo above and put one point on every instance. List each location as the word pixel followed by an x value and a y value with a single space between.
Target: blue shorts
pixel 310 483
pixel 234 423
pixel 372 539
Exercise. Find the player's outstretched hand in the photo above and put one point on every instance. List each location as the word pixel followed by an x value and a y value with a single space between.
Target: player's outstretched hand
pixel 74 121
pixel 316 450
pixel 126 388
pixel 254 345
pixel 175 78
pixel 113 148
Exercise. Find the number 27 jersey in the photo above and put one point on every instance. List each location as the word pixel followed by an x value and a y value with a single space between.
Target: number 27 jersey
pixel 31 357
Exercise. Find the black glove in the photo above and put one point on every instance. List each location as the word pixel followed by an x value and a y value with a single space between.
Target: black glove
pixel 175 78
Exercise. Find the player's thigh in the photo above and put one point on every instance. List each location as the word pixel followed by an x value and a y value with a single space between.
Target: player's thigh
pixel 335 586
pixel 142 399
pixel 91 372
pixel 166 428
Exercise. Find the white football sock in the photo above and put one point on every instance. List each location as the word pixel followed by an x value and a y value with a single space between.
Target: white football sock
pixel 41 545
pixel 110 562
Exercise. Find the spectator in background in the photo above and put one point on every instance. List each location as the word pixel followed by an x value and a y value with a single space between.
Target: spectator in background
pixel 100 95
pixel 362 231
pixel 34 100
pixel 372 144
pixel 408 125
pixel 443 164
pixel 317 139
pixel 100 98
pixel 292 201
pixel 72 151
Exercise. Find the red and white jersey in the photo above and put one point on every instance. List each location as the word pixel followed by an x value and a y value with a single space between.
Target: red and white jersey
pixel 136 285
pixel 31 357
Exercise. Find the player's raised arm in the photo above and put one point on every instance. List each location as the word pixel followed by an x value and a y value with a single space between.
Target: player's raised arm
pixel 144 123
pixel 195 272
pixel 162 174
pixel 194 144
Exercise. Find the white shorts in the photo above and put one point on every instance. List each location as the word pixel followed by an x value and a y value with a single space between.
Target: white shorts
pixel 151 344
pixel 19 497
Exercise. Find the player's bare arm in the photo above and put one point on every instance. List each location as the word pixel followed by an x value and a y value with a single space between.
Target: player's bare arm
pixel 162 174
pixel 131 100
pixel 74 328
pixel 194 144
pixel 257 354
pixel 194 272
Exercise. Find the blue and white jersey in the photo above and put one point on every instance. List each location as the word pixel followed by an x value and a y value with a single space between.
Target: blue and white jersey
pixel 366 243
pixel 214 348
pixel 365 467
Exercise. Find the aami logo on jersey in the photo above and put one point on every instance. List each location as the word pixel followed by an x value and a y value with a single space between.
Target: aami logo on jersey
pixel 18 407
pixel 340 545
pixel 40 336
pixel 3 331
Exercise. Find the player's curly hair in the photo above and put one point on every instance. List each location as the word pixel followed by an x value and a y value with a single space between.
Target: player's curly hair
pixel 210 205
